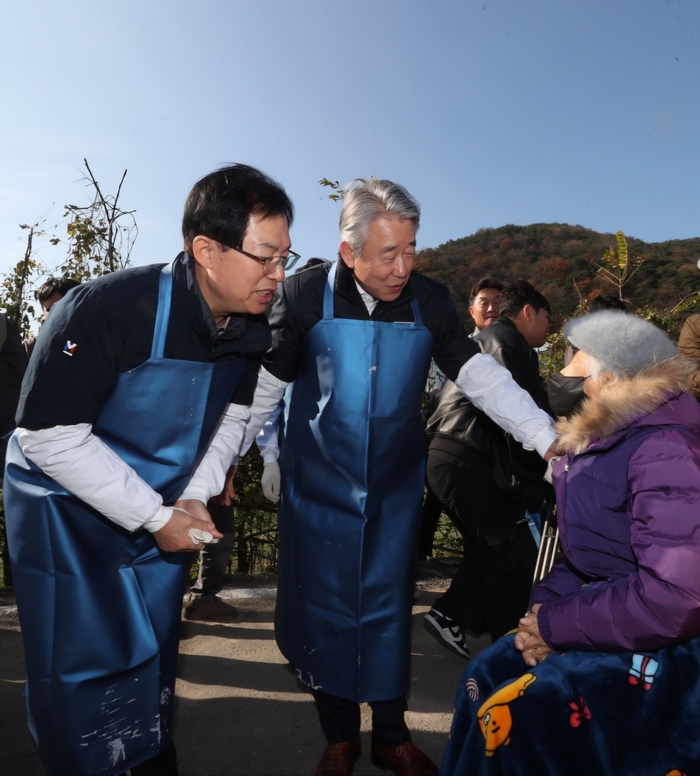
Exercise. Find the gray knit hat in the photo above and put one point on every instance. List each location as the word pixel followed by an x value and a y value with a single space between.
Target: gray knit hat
pixel 621 343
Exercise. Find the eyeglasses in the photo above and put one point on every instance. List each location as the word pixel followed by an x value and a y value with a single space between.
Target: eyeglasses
pixel 273 263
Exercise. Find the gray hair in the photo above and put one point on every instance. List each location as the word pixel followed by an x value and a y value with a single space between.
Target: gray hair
pixel 368 199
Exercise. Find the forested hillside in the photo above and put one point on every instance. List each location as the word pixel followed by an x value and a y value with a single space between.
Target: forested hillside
pixel 560 260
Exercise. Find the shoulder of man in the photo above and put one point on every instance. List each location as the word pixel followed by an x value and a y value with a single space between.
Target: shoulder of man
pixel 101 315
pixel 502 333
pixel 434 299
pixel 99 329
pixel 308 278
pixel 302 293
pixel 124 288
pixel 428 289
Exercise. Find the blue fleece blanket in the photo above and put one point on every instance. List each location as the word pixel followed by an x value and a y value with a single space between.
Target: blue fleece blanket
pixel 579 714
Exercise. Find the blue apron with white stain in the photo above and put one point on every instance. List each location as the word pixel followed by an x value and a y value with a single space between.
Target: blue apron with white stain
pixel 353 475
pixel 100 606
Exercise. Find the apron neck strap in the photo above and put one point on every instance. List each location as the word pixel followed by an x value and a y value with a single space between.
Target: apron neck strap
pixel 165 287
pixel 417 317
pixel 328 290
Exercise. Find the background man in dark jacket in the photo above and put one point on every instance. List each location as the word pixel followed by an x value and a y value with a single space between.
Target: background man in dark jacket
pixel 483 302
pixel 486 482
pixel 483 308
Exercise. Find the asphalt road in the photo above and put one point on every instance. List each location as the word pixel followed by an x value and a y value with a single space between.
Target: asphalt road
pixel 239 710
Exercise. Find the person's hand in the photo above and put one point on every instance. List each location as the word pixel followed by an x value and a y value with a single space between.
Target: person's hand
pixel 228 493
pixel 174 536
pixel 554 451
pixel 271 481
pixel 528 639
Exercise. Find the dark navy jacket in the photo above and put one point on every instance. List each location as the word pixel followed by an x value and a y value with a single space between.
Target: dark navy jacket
pixel 110 321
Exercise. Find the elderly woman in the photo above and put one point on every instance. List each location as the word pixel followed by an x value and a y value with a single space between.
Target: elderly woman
pixel 603 676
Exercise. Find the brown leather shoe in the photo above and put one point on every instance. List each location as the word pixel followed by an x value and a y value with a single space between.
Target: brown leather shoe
pixel 406 760
pixel 208 609
pixel 339 759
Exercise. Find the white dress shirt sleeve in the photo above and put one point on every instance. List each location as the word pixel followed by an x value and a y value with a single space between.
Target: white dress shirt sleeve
pixel 210 476
pixel 268 395
pixel 491 388
pixel 82 463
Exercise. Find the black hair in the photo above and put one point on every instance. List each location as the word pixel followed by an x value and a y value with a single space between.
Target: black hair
pixel 480 285
pixel 516 295
pixel 221 203
pixel 52 286
pixel 606 302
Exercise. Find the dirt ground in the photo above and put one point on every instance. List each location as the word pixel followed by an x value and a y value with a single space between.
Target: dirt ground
pixel 239 709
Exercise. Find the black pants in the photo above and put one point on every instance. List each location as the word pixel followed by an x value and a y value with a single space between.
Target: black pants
pixel 340 720
pixel 492 586
pixel 430 516
pixel 215 557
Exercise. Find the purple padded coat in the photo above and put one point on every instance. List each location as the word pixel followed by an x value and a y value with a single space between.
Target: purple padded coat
pixel 629 521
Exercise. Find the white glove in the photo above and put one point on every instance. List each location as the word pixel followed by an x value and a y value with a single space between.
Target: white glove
pixel 548 474
pixel 201 537
pixel 197 536
pixel 271 481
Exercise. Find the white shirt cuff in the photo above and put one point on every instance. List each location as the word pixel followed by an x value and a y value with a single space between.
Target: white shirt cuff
pixel 158 519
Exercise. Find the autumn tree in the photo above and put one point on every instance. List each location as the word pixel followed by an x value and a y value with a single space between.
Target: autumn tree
pixel 101 235
pixel 17 294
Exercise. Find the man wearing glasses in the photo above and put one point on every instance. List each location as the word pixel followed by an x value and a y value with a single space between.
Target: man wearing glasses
pixel 357 337
pixel 135 403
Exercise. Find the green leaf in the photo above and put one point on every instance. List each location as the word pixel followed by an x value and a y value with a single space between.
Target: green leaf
pixel 621 249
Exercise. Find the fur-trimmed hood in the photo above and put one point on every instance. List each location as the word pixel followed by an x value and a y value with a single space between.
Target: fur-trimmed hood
pixel 620 403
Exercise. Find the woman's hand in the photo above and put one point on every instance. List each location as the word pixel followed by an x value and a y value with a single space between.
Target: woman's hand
pixel 528 639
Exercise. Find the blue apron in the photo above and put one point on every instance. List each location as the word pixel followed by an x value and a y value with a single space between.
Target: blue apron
pixel 100 606
pixel 353 475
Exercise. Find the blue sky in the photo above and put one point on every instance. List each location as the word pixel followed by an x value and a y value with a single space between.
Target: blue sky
pixel 490 112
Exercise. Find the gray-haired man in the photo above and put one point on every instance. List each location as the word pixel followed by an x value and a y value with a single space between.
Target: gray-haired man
pixel 356 337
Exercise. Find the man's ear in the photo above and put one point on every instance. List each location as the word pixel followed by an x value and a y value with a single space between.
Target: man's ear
pixel 528 312
pixel 202 250
pixel 347 254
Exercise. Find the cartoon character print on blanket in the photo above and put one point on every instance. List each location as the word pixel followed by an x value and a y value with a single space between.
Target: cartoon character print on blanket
pixel 494 716
pixel 643 670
